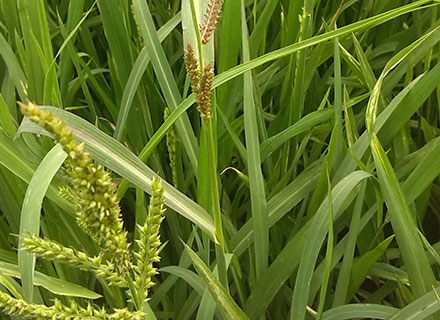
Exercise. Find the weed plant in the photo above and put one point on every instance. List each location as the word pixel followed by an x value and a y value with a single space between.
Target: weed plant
pixel 294 144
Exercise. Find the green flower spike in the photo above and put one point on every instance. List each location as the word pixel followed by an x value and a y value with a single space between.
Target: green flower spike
pixel 171 146
pixel 99 213
pixel 149 242
pixel 19 307
pixel 53 251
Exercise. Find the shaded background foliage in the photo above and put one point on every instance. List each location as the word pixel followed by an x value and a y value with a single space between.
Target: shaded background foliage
pixel 344 97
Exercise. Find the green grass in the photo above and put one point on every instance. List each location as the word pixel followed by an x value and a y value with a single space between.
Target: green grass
pixel 312 192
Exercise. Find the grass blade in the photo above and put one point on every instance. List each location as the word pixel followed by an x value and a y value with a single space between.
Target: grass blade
pixel 420 309
pixel 224 301
pixel 14 67
pixel 135 77
pixel 54 285
pixel 413 254
pixel 256 181
pixel 6 121
pixel 343 192
pixel 346 30
pixel 165 77
pixel 290 257
pixel 364 311
pixel 30 214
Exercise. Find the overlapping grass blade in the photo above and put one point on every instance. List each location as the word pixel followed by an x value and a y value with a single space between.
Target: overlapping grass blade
pixel 421 308
pixel 165 78
pixel 12 159
pixel 279 205
pixel 413 254
pixel 31 210
pixel 352 311
pixel 256 180
pixel 287 87
pixel 138 70
pixel 18 76
pixel 343 194
pixel 224 301
pixel 280 53
pixel 6 121
pixel 394 116
pixel 346 30
pixel 54 285
pixel 116 157
pixel 291 255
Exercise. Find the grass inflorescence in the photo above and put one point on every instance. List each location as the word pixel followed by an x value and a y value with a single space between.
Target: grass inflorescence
pixel 219 159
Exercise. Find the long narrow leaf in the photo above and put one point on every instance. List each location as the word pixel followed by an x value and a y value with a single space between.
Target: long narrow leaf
pixel 413 254
pixel 30 213
pixel 54 285
pixel 165 77
pixel 256 181
pixel 227 305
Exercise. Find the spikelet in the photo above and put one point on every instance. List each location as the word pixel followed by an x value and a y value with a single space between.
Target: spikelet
pixel 171 146
pixel 149 242
pixel 192 67
pixel 19 307
pixel 204 98
pixel 56 252
pixel 212 15
pixel 70 196
pixel 124 314
pixel 99 213
pixel 201 83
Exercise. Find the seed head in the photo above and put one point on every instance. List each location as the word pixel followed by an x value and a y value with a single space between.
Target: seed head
pixel 98 206
pixel 192 67
pixel 212 15
pixel 205 93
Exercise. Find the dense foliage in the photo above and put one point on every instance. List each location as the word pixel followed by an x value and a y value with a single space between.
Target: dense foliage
pixel 296 142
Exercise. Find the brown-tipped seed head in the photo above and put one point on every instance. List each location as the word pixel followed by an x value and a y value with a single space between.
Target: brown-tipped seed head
pixel 172 146
pixel 201 84
pixel 204 98
pixel 192 67
pixel 212 15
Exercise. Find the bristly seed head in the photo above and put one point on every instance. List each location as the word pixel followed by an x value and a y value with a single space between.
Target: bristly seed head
pixel 212 15
pixel 171 142
pixel 98 205
pixel 204 99
pixel 149 242
pixel 192 66
pixel 21 308
pixel 201 84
